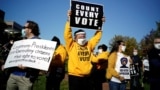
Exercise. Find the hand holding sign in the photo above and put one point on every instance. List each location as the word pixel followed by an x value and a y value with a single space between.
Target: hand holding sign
pixel 121 78
pixel 69 14
pixel 21 66
pixel 103 19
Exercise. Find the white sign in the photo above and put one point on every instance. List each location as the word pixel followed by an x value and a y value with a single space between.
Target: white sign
pixel 124 68
pixel 125 72
pixel 33 53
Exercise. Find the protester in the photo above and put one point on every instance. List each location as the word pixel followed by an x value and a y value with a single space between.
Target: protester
pixel 145 73
pixel 79 56
pixel 154 64
pixel 22 78
pixel 98 75
pixel 135 71
pixel 145 69
pixel 56 70
pixel 118 76
pixel 3 40
pixel 4 74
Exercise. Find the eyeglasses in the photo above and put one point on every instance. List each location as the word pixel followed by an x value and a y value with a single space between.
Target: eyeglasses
pixel 24 27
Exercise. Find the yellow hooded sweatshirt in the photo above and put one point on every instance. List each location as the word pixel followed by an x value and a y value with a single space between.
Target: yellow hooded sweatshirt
pixel 80 57
pixel 59 57
pixel 102 57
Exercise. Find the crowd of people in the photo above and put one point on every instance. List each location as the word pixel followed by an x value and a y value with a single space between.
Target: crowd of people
pixel 86 70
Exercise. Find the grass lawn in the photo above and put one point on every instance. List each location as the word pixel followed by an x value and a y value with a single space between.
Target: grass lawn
pixel 40 84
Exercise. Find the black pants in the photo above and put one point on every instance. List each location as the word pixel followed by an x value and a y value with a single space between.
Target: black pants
pixel 135 83
pixel 154 85
pixel 79 83
pixel 98 78
pixel 3 79
pixel 53 80
pixel 145 77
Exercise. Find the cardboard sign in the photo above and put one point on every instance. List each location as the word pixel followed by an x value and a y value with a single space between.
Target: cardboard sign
pixel 86 15
pixel 33 53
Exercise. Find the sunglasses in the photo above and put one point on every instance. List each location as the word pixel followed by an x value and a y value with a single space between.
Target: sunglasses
pixel 24 27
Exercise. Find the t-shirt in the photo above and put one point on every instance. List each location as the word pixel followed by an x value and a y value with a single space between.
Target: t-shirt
pixel 146 64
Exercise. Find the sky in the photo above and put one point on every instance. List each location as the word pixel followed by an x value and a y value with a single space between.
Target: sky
pixel 133 18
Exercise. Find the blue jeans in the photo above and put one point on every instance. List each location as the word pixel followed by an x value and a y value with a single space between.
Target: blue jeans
pixel 117 86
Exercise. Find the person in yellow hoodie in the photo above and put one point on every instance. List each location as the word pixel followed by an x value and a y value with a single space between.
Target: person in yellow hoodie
pixel 98 74
pixel 118 76
pixel 79 56
pixel 56 70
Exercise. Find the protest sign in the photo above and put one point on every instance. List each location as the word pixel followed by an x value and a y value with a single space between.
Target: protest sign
pixel 86 15
pixel 33 53
pixel 124 68
pixel 125 72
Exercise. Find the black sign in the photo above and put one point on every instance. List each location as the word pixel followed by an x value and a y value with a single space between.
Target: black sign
pixel 86 15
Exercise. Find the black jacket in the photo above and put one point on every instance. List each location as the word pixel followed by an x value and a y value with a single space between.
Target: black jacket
pixel 154 62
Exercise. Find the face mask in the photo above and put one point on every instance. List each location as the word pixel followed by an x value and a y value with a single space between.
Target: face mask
pixel 23 33
pixel 81 41
pixel 11 42
pixel 157 46
pixel 135 53
pixel 123 48
pixel 100 50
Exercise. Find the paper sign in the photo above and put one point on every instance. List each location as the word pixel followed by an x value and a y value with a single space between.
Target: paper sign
pixel 33 53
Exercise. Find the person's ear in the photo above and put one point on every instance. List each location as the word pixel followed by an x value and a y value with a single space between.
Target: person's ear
pixel 75 37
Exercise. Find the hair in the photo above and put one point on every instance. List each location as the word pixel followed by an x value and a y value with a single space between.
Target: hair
pixel 57 40
pixel 34 26
pixel 116 46
pixel 103 46
pixel 157 37
pixel 80 30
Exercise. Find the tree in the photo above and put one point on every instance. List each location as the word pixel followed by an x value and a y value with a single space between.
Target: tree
pixel 147 42
pixel 131 43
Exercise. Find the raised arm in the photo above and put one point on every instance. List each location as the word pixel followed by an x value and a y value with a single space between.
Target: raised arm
pixel 68 33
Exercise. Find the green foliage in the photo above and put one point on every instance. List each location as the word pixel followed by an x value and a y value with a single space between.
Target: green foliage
pixel 64 85
pixel 40 83
pixel 147 42
pixel 131 43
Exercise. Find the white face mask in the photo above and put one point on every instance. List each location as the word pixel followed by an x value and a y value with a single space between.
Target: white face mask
pixel 82 41
pixel 100 50
pixel 135 53
pixel 157 46
pixel 11 42
pixel 23 33
pixel 123 48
